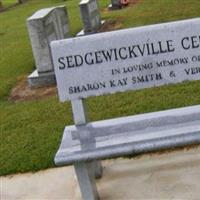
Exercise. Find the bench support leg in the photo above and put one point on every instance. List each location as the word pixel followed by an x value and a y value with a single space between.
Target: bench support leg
pixel 98 169
pixel 80 118
pixel 84 172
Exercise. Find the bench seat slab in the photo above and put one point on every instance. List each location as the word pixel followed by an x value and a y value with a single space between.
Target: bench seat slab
pixel 131 135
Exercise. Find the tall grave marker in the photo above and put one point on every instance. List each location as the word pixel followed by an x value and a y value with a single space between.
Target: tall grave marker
pixel 90 16
pixel 45 26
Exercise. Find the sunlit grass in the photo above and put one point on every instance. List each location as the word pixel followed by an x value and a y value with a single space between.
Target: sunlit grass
pixel 31 131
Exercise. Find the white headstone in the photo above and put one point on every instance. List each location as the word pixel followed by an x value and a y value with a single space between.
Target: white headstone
pixel 44 26
pixel 127 59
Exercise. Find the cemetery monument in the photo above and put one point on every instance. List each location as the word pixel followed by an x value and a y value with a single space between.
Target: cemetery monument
pixel 45 26
pixel 90 16
pixel 118 61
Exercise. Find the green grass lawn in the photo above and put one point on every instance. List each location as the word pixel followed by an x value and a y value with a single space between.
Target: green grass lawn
pixel 8 3
pixel 31 131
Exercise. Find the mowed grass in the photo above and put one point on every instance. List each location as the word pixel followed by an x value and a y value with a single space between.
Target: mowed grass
pixel 8 3
pixel 31 131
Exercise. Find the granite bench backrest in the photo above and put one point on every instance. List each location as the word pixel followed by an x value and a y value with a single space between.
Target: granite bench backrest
pixel 128 59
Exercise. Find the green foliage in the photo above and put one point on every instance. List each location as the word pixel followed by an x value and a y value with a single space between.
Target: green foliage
pixel 31 131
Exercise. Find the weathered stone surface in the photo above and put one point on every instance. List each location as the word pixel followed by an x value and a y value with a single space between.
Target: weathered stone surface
pixel 115 4
pixel 127 59
pixel 43 79
pixel 45 26
pixel 41 27
pixel 90 16
pixel 63 22
pixel 131 135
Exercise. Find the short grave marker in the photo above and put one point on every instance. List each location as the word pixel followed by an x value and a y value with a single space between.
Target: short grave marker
pixel 45 26
pixel 90 16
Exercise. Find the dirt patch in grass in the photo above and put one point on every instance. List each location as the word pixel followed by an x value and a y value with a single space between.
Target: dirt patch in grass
pixel 22 92
pixel 7 8
pixel 2 9
pixel 111 25
pixel 2 34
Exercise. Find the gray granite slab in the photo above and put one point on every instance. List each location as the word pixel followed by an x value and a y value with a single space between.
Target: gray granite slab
pixel 44 26
pixel 63 22
pixel 83 33
pixel 43 79
pixel 42 30
pixel 131 135
pixel 115 4
pixel 127 59
pixel 90 15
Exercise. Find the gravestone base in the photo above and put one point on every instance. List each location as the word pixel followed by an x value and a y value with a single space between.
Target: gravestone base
pixel 82 32
pixel 41 79
pixel 113 7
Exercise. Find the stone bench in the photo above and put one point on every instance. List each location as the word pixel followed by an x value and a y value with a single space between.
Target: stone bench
pixel 118 61
pixel 133 135
pixel 130 135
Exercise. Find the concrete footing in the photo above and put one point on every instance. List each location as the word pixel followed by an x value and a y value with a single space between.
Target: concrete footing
pixel 41 79
pixel 82 32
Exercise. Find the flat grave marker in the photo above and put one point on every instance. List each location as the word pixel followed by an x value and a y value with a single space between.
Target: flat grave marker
pixel 115 4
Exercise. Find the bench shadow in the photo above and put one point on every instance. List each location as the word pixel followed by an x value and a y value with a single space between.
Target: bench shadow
pixel 127 170
pixel 120 171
